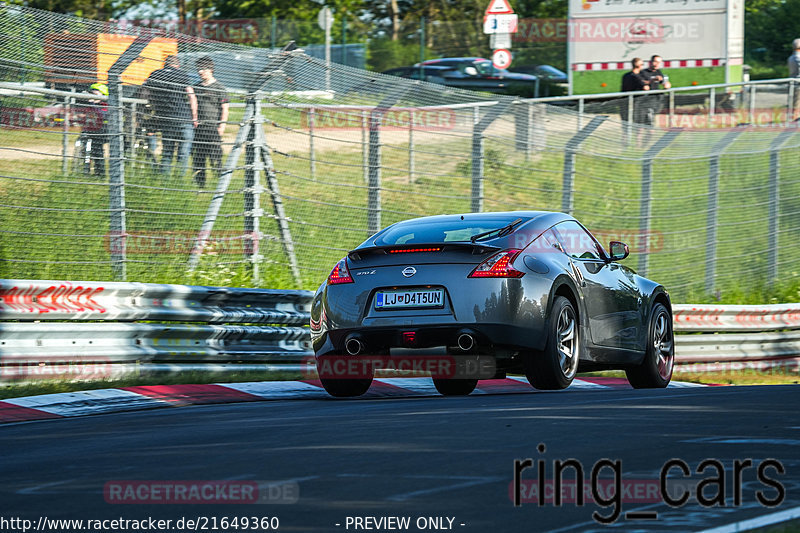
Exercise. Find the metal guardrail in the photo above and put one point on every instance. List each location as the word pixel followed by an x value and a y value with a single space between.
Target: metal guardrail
pixel 732 337
pixel 727 318
pixel 111 326
pixel 107 324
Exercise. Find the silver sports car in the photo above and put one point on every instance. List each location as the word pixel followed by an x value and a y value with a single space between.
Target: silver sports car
pixel 514 292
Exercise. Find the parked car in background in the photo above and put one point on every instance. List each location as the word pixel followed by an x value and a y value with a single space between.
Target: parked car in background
pixel 429 74
pixel 472 73
pixel 543 72
pixel 553 82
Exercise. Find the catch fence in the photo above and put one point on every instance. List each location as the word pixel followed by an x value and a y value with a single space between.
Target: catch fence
pixel 317 157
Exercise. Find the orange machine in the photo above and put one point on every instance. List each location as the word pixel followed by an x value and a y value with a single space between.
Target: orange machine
pixel 81 59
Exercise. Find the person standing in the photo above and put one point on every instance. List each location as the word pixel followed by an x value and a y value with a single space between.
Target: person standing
pixel 657 81
pixel 212 113
pixel 794 72
pixel 634 81
pixel 654 75
pixel 175 103
pixel 95 128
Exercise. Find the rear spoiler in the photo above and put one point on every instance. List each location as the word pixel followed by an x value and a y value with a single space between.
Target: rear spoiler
pixel 474 248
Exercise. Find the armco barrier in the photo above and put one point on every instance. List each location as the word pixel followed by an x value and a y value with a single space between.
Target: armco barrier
pixel 108 325
pixel 735 337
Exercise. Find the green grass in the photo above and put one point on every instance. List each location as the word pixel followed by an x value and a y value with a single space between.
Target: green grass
pixel 776 376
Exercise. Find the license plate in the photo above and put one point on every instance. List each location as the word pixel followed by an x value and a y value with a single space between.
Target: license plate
pixel 406 298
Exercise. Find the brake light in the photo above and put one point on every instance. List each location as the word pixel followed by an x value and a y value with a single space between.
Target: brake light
pixel 498 266
pixel 340 273
pixel 413 250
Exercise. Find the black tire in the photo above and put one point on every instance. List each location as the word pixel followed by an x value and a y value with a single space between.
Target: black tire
pixel 655 370
pixel 346 387
pixel 556 366
pixel 455 387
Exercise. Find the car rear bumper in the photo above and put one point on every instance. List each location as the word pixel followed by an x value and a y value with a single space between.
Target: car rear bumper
pixel 488 338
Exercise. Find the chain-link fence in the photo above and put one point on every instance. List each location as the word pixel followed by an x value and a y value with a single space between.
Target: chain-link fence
pixel 315 159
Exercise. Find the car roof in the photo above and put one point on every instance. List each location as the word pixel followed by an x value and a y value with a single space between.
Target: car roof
pixel 534 222
pixel 461 59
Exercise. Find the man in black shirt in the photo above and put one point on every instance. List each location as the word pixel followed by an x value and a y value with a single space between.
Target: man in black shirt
pixel 176 110
pixel 654 75
pixel 212 107
pixel 634 80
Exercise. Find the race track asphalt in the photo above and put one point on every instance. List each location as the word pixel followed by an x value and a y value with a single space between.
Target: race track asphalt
pixel 430 460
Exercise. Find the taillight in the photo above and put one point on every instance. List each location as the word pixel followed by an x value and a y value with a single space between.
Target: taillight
pixel 415 250
pixel 340 273
pixel 498 266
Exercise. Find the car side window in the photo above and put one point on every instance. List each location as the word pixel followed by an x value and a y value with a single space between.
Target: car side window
pixel 576 241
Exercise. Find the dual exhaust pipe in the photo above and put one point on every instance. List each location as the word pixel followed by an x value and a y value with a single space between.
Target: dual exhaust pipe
pixel 355 346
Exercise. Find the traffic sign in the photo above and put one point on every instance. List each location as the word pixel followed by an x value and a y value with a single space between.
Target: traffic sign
pixel 505 23
pixel 501 58
pixel 499 7
pixel 499 40
pixel 325 18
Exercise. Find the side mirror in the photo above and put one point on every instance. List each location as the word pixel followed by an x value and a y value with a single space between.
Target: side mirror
pixel 471 71
pixel 619 250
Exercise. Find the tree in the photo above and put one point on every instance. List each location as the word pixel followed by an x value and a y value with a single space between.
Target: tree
pixel 91 9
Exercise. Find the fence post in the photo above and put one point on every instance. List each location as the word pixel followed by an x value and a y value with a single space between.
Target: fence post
pixel 365 146
pixel 411 148
pixel 311 155
pixel 646 197
pixel 790 103
pixel 522 128
pixel 117 227
pixel 252 192
pixel 774 203
pixel 374 164
pixel 671 122
pixel 629 125
pixel 529 132
pixel 477 163
pixel 65 138
pixel 374 177
pixel 581 104
pixel 343 57
pixel 713 207
pixel 570 152
pixel 478 156
pixel 753 103
pixel 116 190
pixel 712 103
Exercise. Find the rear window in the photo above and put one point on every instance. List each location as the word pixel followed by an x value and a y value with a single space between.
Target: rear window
pixel 430 232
